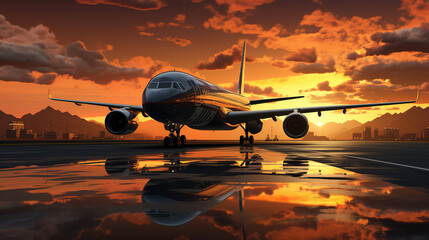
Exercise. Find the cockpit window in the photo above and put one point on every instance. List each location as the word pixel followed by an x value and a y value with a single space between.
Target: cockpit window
pixel 153 85
pixel 181 86
pixel 164 85
pixel 175 85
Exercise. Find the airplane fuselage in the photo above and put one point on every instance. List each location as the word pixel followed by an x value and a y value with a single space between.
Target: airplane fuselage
pixel 180 98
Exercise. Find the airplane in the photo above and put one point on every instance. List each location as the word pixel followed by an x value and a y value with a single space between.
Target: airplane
pixel 179 99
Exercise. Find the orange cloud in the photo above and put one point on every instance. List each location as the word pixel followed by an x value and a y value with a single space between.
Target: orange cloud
pixel 329 66
pixel 303 55
pixel 242 6
pixel 141 5
pixel 234 24
pixel 178 21
pixel 176 40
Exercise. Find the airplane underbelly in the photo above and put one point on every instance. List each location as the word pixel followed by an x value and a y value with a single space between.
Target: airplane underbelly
pixel 209 119
pixel 201 117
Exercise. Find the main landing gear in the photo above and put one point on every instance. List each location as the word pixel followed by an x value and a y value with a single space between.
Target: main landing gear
pixel 174 139
pixel 246 139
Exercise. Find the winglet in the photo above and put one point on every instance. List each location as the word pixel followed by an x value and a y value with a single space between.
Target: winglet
pixel 49 93
pixel 241 80
pixel 418 94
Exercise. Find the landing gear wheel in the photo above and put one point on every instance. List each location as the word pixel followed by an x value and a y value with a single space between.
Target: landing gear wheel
pixel 241 140
pixel 166 141
pixel 251 140
pixel 182 140
pixel 175 141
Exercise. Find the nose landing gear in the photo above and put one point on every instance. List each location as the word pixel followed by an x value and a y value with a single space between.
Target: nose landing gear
pixel 174 139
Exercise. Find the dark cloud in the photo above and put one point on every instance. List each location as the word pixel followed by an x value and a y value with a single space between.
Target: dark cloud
pixel 223 59
pixel 303 55
pixel 267 91
pixel 353 56
pixel 399 72
pixel 256 191
pixel 13 74
pixel 414 39
pixel 324 86
pixel 279 64
pixel 26 52
pixel 346 87
pixel 314 67
pixel 17 195
pixel 91 65
pixel 141 5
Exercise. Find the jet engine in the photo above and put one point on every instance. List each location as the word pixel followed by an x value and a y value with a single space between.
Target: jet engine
pixel 254 127
pixel 120 122
pixel 295 125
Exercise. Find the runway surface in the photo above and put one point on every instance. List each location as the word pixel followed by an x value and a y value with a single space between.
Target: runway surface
pixel 215 190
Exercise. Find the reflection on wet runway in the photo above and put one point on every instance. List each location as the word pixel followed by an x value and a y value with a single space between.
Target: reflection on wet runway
pixel 223 193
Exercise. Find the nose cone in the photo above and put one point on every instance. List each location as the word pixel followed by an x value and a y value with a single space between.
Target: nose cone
pixel 167 105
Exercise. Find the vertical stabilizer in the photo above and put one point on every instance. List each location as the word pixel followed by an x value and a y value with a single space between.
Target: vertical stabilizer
pixel 241 80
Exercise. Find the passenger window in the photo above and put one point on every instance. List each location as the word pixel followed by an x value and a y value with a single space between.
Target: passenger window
pixel 164 85
pixel 176 86
pixel 153 85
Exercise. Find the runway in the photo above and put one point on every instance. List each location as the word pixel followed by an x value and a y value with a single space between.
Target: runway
pixel 215 190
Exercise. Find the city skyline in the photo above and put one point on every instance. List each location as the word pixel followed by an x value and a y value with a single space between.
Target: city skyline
pixel 371 130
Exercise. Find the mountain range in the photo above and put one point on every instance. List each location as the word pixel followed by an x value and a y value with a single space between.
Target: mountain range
pixel 50 119
pixel 414 120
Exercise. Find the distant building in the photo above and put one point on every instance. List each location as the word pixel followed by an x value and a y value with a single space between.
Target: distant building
pixel 50 135
pixel 425 134
pixel 357 136
pixel 409 137
pixel 27 134
pixel 16 125
pixel 12 134
pixel 376 133
pixel 102 134
pixel 311 137
pixel 80 136
pixel 67 136
pixel 14 129
pixel 367 133
pixel 391 134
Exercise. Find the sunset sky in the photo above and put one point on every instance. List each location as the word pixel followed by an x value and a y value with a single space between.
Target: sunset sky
pixel 332 52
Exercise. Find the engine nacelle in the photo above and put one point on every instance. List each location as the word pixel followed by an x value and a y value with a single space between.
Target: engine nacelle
pixel 295 125
pixel 254 127
pixel 120 122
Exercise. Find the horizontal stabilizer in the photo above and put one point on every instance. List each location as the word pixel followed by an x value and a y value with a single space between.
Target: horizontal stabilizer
pixel 259 101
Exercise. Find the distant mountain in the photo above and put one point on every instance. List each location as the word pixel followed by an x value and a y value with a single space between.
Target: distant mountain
pixel 53 120
pixel 414 120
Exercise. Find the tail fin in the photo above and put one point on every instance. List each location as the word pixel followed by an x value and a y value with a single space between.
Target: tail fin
pixel 241 80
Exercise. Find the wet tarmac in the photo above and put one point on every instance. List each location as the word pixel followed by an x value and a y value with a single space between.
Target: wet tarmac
pixel 332 190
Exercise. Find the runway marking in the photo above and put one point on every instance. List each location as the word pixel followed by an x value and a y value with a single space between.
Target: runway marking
pixel 368 159
pixel 391 163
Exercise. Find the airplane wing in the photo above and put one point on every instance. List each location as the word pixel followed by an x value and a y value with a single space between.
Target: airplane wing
pixel 259 101
pixel 236 117
pixel 109 105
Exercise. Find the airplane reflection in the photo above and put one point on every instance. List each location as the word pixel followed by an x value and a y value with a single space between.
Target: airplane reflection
pixel 180 189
